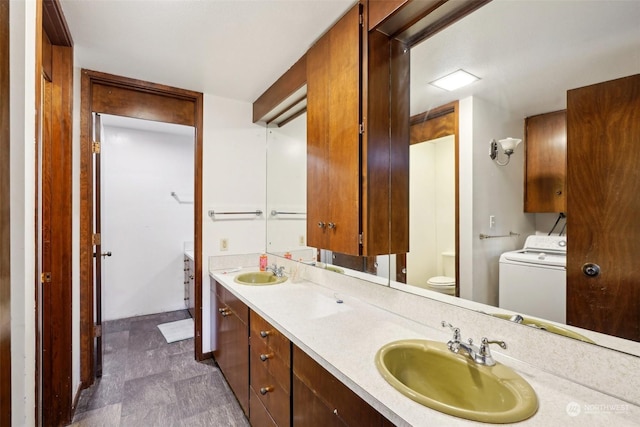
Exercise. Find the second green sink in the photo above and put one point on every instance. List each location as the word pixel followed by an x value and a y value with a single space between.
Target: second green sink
pixel 429 373
pixel 259 278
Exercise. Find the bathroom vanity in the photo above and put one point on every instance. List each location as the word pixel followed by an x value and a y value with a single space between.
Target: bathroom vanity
pixel 338 342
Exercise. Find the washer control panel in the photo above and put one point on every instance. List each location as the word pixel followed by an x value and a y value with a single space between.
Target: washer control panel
pixel 552 244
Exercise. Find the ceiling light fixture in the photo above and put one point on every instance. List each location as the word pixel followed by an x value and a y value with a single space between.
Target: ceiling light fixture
pixel 455 80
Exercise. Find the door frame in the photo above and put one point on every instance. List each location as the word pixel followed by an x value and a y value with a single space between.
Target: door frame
pixel 5 216
pixel 437 123
pixel 110 94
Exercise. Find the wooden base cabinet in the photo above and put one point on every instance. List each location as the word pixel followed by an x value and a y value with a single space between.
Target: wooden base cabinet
pixel 270 375
pixel 232 352
pixel 320 399
pixel 189 285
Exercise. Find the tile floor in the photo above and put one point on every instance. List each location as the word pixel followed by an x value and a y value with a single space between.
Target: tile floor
pixel 148 382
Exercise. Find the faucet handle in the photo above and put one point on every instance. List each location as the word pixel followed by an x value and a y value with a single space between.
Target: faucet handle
pixel 456 331
pixel 484 347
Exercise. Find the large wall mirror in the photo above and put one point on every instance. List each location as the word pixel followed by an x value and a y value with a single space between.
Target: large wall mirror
pixel 525 67
pixel 287 203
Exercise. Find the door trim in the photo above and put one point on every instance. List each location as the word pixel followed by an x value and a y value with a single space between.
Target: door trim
pixel 5 241
pixel 110 94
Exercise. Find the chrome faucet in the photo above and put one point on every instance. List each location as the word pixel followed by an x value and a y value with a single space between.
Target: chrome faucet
pixel 277 271
pixel 480 355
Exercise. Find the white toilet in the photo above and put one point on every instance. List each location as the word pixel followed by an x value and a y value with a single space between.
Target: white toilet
pixel 445 284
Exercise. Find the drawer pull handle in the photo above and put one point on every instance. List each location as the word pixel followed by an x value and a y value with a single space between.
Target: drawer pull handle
pixel 265 334
pixel 335 412
pixel 265 390
pixel 265 357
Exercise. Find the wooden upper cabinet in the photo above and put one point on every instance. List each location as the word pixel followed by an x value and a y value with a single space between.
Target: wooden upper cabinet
pixel 353 155
pixel 546 162
pixel 333 137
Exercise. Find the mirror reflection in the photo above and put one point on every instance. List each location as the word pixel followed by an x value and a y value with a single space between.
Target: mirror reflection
pixel 524 73
pixel 525 67
pixel 286 206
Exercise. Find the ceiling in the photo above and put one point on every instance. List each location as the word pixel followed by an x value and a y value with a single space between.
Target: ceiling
pixel 527 53
pixel 230 48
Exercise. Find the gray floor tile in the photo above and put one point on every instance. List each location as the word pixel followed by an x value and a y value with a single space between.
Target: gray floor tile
pixel 148 382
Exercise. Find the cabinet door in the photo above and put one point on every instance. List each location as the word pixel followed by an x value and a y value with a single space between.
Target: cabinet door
pixel 603 227
pixel 333 137
pixel 232 353
pixel 192 288
pixel 545 166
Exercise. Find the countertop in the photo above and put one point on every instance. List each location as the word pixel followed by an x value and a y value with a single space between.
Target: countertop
pixel 344 338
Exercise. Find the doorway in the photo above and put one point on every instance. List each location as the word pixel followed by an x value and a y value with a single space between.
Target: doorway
pixel 431 125
pixel 108 94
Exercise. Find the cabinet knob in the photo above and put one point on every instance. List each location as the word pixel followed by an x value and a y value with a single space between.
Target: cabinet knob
pixel 265 390
pixel 320 224
pixel 265 357
pixel 335 412
pixel 265 334
pixel 332 225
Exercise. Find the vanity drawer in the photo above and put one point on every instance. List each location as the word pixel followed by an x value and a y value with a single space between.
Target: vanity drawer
pixel 232 302
pixel 264 336
pixel 337 397
pixel 260 417
pixel 262 357
pixel 269 390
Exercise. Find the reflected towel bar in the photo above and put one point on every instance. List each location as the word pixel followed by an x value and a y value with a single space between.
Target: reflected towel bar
pixel 182 202
pixel 487 236
pixel 257 212
pixel 276 213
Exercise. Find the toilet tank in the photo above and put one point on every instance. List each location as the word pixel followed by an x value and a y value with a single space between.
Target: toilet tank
pixel 449 263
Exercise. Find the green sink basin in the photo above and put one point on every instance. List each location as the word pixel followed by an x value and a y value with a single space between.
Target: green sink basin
pixel 546 326
pixel 259 278
pixel 334 269
pixel 429 373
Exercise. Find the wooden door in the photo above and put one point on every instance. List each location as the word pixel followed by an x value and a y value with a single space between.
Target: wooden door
pixel 546 162
pixel 603 221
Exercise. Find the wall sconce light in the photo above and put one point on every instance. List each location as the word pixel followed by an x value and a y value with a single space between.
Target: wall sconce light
pixel 507 144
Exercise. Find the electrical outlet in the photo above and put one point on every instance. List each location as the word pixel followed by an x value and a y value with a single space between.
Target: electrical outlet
pixel 301 240
pixel 492 221
pixel 224 244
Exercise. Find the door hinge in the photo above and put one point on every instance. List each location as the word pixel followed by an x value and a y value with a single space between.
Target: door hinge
pixel 361 128
pixel 95 147
pixel 96 239
pixel 361 238
pixel 45 277
pixel 361 19
pixel 97 331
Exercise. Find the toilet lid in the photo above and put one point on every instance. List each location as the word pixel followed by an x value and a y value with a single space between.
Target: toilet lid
pixel 442 281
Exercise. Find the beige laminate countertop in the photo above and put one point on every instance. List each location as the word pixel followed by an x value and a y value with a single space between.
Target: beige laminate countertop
pixel 344 339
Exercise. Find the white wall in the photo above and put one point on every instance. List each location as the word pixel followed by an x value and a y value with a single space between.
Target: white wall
pixel 22 99
pixel 287 185
pixel 234 170
pixel 143 226
pixel 488 189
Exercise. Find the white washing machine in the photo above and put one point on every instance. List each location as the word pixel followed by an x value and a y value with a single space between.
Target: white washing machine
pixel 533 280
